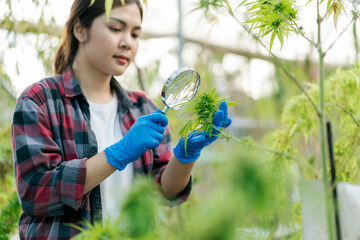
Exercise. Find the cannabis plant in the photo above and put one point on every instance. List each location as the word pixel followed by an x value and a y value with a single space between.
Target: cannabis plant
pixel 274 18
pixel 139 215
pixel 200 111
pixel 278 18
pixel 299 127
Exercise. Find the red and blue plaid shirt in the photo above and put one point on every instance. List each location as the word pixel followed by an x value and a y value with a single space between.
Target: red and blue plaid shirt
pixel 52 139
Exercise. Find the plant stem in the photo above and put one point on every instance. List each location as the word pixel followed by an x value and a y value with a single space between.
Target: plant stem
pixel 328 196
pixel 345 110
pixel 327 50
pixel 296 30
pixel 279 63
pixel 275 151
pixel 356 41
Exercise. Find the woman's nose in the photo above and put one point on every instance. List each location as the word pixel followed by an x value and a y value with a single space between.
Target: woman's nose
pixel 125 41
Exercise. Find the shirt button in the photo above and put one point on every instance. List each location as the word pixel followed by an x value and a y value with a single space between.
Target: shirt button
pixel 93 149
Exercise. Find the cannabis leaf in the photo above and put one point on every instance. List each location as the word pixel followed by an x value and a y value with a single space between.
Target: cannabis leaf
pixel 108 7
pixel 273 17
pixel 200 111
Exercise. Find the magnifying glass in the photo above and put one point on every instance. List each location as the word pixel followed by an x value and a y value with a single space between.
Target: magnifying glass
pixel 179 88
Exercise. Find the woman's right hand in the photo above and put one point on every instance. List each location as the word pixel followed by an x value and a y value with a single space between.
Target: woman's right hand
pixel 146 133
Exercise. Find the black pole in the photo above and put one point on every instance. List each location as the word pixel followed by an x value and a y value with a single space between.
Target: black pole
pixel 333 177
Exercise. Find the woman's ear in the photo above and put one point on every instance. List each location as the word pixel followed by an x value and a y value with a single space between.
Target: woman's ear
pixel 80 32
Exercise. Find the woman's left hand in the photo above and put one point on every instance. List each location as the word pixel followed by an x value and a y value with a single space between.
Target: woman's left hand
pixel 197 141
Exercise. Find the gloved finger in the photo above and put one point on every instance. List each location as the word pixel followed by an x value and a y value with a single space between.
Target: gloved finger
pixel 158 136
pixel 218 118
pixel 151 144
pixel 157 111
pixel 227 122
pixel 158 118
pixel 196 142
pixel 211 140
pixel 198 138
pixel 223 107
pixel 156 127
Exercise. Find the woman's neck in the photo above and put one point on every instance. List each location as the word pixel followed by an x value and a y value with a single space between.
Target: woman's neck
pixel 94 84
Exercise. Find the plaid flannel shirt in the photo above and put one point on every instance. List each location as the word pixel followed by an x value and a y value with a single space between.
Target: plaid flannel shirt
pixel 52 139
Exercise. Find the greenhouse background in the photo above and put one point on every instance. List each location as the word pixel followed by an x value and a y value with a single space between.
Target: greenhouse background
pixel 248 186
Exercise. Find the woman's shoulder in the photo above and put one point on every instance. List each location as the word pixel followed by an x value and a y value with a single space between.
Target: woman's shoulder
pixel 137 95
pixel 43 87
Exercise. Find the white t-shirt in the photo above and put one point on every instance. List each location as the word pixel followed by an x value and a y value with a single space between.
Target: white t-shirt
pixel 104 120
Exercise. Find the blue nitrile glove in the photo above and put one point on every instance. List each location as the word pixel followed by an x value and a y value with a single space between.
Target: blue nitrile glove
pixel 197 141
pixel 146 133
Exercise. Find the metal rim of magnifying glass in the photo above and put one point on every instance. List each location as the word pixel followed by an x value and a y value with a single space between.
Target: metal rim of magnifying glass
pixel 171 78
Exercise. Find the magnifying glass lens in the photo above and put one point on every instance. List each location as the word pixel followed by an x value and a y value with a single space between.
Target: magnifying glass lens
pixel 179 88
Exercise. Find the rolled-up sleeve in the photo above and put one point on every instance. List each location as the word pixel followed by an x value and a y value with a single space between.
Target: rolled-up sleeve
pixel 47 185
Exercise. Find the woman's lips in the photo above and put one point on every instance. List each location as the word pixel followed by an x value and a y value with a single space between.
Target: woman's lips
pixel 121 59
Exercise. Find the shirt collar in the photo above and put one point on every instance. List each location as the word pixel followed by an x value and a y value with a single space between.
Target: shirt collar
pixel 121 93
pixel 71 84
pixel 72 87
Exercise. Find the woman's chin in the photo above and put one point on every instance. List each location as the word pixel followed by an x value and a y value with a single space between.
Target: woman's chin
pixel 117 72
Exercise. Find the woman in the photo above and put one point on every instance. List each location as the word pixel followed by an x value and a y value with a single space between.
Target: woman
pixel 73 130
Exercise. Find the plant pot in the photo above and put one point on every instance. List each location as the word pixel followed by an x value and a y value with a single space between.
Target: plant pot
pixel 314 221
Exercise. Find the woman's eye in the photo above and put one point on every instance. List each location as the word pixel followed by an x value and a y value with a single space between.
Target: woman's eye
pixel 135 35
pixel 114 29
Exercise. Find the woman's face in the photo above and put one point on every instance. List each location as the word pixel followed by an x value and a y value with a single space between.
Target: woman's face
pixel 113 44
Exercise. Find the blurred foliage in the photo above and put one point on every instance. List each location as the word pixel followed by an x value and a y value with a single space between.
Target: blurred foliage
pixel 211 8
pixel 9 216
pixel 299 125
pixel 6 163
pixel 248 193
pixel 138 216
pixel 7 98
pixel 9 205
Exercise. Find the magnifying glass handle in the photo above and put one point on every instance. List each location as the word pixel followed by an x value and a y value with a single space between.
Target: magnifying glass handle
pixel 164 111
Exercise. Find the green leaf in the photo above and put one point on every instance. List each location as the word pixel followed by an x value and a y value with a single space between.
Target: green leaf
pixel 108 7
pixel 242 3
pixel 280 35
pixel 337 9
pixel 329 4
pixel 272 40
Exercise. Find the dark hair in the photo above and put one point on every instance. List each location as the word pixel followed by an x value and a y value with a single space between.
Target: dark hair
pixel 86 14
